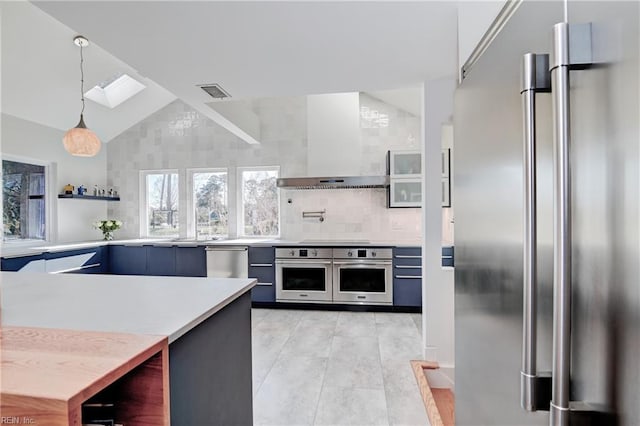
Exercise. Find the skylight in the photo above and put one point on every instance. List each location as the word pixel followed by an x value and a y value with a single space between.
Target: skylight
pixel 115 91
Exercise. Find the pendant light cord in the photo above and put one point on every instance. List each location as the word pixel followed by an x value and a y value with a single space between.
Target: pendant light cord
pixel 81 80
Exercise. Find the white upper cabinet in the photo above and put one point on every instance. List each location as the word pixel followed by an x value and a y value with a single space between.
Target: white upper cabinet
pixel 405 164
pixel 405 178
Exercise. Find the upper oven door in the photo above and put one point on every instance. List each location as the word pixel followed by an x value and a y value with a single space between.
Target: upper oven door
pixel 303 280
pixel 362 281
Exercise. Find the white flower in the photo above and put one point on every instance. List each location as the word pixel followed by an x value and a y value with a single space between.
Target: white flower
pixel 118 223
pixel 109 223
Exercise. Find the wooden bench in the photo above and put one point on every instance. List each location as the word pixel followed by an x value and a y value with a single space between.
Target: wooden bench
pixel 439 402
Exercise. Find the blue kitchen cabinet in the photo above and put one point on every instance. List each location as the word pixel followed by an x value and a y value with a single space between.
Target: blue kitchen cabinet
pixel 158 261
pixel 94 260
pixel 161 261
pixel 27 263
pixel 262 268
pixel 191 262
pixel 407 276
pixel 128 260
pixel 448 256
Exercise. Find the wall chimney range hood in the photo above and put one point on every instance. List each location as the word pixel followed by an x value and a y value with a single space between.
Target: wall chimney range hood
pixel 343 182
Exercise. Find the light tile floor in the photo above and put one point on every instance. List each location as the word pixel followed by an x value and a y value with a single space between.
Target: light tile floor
pixel 335 368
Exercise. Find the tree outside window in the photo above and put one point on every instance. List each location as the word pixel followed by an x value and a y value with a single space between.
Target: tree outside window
pixel 24 201
pixel 210 190
pixel 162 204
pixel 260 214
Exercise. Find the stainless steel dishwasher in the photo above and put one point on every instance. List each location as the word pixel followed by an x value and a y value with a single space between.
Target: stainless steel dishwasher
pixel 227 261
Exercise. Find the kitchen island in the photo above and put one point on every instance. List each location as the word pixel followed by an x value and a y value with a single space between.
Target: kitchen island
pixel 207 322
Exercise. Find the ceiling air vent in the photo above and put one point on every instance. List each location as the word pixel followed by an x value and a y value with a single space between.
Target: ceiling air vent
pixel 215 91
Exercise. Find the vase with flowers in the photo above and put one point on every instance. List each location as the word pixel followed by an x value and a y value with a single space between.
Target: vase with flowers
pixel 107 227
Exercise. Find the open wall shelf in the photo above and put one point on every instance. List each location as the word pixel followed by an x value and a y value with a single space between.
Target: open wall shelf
pixel 88 197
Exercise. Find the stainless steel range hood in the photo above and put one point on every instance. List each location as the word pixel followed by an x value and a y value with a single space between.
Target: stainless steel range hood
pixel 334 182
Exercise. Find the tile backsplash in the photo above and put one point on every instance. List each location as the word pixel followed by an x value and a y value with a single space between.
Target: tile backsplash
pixel 351 214
pixel 179 137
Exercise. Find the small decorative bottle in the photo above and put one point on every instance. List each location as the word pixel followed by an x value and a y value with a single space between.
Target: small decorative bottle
pixel 95 190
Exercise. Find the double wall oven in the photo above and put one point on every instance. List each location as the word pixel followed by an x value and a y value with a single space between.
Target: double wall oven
pixel 334 275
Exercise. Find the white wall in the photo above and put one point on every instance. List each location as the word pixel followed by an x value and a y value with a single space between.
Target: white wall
pixel 178 137
pixel 333 133
pixel 437 288
pixel 474 18
pixel 354 214
pixel 34 141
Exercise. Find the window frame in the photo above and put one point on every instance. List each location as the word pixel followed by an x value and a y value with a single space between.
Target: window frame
pixel 240 201
pixel 144 219
pixel 49 196
pixel 191 223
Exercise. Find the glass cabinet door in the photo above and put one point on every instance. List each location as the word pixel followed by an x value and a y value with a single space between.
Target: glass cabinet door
pixel 405 193
pixel 405 163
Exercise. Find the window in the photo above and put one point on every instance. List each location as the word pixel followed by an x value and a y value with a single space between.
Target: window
pixel 259 212
pixel 24 201
pixel 161 203
pixel 210 209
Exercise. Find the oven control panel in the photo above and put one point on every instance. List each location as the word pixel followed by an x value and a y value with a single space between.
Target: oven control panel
pixel 362 253
pixel 304 253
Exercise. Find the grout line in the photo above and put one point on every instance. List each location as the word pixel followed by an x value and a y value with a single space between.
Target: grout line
pixel 384 381
pixel 324 375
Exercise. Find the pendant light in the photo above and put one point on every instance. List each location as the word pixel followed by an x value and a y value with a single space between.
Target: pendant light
pixel 81 141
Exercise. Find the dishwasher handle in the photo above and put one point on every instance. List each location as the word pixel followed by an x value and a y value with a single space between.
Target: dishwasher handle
pixel 226 248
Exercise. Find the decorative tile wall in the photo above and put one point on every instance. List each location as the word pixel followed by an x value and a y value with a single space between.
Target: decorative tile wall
pixel 179 137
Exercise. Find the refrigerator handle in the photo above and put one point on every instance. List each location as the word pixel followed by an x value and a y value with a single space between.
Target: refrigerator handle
pixel 561 227
pixel 571 50
pixel 534 388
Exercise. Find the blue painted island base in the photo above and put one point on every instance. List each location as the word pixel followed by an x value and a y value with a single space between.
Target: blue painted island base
pixel 210 370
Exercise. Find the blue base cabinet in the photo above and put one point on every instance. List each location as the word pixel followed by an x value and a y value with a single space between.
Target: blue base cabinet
pixel 191 262
pixel 116 259
pixel 161 261
pixel 128 260
pixel 407 276
pixel 262 268
pixel 165 261
pixel 448 256
pixel 34 263
pixel 93 260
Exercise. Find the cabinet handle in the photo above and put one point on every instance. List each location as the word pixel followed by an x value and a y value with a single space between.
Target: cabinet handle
pixel 261 265
pixel 408 267
pixel 265 284
pixel 412 277
pixel 77 268
pixel 407 256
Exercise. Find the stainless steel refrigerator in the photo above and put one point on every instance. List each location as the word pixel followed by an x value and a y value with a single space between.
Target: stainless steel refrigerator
pixel 547 277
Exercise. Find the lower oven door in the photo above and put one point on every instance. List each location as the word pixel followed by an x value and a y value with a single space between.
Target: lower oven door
pixel 306 280
pixel 363 282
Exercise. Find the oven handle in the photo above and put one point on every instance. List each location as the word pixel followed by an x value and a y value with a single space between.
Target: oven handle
pixel 300 262
pixel 362 264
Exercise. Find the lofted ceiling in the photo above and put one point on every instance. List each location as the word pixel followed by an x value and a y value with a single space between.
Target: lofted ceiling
pixel 41 75
pixel 266 48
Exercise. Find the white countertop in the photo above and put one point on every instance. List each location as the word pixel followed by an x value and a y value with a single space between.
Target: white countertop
pixel 168 306
pixel 8 250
